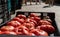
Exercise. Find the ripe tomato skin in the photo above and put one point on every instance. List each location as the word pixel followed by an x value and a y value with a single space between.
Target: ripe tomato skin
pixel 21 16
pixel 7 28
pixel 34 22
pixel 32 34
pixel 48 28
pixel 9 33
pixel 19 30
pixel 26 32
pixel 43 33
pixel 22 27
pixel 39 32
pixel 18 19
pixel 44 22
pixel 29 25
pixel 28 20
pixel 13 23
pixel 1 32
pixel 38 27
pixel 37 19
pixel 33 15
pixel 35 31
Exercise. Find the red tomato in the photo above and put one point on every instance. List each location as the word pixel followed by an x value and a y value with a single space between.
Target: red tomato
pixel 43 33
pixel 38 27
pixel 29 25
pixel 21 16
pixel 0 32
pixel 33 21
pixel 37 19
pixel 28 20
pixel 19 30
pixel 47 28
pixel 33 15
pixel 18 19
pixel 22 27
pixel 39 32
pixel 35 31
pixel 32 34
pixel 14 23
pixel 9 32
pixel 26 32
pixel 44 22
pixel 20 33
pixel 7 28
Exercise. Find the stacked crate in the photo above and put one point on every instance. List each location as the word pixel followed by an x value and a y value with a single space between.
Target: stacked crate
pixel 4 13
pixel 8 7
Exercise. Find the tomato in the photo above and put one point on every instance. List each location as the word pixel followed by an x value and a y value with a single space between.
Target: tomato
pixel 9 33
pixel 33 21
pixel 28 20
pixel 35 18
pixel 32 15
pixel 22 27
pixel 26 32
pixel 19 30
pixel 43 33
pixel 21 16
pixel 0 32
pixel 44 22
pixel 29 25
pixel 48 28
pixel 38 27
pixel 39 32
pixel 18 19
pixel 35 31
pixel 32 34
pixel 14 23
pixel 7 28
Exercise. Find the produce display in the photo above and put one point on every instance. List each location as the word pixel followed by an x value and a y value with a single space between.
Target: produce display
pixel 32 25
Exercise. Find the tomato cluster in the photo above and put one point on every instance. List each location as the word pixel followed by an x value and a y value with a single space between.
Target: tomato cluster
pixel 31 25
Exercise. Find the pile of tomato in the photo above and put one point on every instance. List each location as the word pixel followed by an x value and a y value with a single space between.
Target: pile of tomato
pixel 32 25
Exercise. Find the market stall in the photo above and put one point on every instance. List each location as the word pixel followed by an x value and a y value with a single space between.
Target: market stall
pixel 27 23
